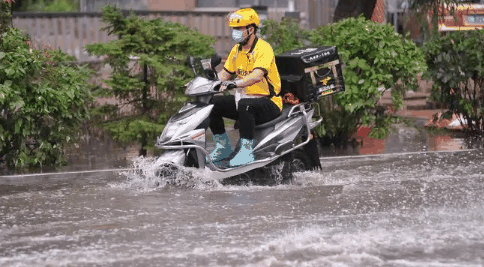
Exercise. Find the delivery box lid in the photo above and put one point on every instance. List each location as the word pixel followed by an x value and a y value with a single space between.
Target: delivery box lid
pixel 293 63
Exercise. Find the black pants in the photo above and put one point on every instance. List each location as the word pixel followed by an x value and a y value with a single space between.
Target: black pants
pixel 252 111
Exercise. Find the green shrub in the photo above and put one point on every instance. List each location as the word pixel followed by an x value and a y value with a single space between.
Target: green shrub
pixel 456 67
pixel 375 58
pixel 43 100
pixel 284 36
pixel 152 85
pixel 5 16
pixel 53 6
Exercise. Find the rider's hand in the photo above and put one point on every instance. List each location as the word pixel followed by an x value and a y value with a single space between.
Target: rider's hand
pixel 227 85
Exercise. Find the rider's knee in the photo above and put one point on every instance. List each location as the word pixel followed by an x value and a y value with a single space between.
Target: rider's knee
pixel 244 105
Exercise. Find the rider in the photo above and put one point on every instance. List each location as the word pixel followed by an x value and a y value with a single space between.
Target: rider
pixel 258 84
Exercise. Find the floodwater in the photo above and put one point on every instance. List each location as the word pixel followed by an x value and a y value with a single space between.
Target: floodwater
pixel 423 207
pixel 107 155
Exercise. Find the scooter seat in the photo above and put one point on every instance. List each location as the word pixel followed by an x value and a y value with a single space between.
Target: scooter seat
pixel 284 115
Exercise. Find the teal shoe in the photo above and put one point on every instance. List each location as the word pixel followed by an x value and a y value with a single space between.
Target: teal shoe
pixel 245 154
pixel 223 149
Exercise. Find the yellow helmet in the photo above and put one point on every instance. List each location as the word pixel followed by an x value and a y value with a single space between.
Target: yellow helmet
pixel 244 17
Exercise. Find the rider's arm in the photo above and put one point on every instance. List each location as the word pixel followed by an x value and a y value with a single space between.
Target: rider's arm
pixel 229 68
pixel 224 75
pixel 254 77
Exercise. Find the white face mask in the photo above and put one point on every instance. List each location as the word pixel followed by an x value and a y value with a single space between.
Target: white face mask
pixel 238 35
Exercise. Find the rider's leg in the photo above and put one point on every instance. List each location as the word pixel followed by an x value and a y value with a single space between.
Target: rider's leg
pixel 222 149
pixel 252 111
pixel 224 106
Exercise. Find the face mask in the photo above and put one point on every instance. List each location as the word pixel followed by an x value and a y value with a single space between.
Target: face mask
pixel 237 36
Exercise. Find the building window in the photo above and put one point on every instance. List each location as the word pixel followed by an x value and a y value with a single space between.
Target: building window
pixel 216 3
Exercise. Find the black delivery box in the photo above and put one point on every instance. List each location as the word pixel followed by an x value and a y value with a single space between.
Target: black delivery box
pixel 310 73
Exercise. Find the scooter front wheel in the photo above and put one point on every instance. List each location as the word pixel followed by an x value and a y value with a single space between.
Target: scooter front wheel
pixel 191 159
pixel 300 162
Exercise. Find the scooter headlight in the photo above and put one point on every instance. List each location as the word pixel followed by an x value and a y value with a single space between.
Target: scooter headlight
pixel 171 128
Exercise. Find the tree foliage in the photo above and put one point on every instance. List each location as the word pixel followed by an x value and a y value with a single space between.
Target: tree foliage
pixel 5 15
pixel 52 5
pixel 46 5
pixel 376 58
pixel 285 35
pixel 429 12
pixel 148 74
pixel 456 66
pixel 42 102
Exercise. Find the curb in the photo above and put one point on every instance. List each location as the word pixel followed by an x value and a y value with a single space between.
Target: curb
pixel 53 174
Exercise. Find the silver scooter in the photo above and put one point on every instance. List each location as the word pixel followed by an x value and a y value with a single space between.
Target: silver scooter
pixel 278 147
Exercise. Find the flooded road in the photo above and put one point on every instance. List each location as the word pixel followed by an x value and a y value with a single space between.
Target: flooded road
pixel 406 209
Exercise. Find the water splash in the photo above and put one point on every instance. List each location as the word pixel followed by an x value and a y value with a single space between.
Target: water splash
pixel 151 173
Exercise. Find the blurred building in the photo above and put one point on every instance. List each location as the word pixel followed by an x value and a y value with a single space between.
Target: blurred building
pixel 97 5
pixel 310 12
pixel 198 5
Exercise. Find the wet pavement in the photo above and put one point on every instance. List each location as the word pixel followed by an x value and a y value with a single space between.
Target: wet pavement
pixel 383 210
pixel 409 200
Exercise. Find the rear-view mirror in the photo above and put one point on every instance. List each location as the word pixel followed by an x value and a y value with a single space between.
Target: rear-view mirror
pixel 215 61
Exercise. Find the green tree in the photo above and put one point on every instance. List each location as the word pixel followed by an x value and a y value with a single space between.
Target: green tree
pixel 43 100
pixel 456 66
pixel 48 5
pixel 148 74
pixel 5 15
pixel 376 59
pixel 430 11
pixel 285 35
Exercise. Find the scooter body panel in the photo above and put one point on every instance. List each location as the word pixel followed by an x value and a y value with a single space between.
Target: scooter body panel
pixel 187 126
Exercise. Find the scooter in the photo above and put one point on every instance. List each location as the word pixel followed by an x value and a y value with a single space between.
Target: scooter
pixel 279 144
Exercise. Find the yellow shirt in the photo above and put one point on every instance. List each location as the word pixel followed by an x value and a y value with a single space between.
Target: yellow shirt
pixel 260 56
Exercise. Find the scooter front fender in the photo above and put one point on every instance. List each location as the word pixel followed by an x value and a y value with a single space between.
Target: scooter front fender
pixel 175 156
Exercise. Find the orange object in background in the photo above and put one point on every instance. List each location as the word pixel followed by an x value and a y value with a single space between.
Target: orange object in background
pixel 468 16
pixel 369 145
pixel 456 122
pixel 456 17
pixel 444 143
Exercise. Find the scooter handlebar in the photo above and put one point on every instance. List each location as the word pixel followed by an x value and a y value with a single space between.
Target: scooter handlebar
pixel 228 85
pixel 218 84
pixel 231 86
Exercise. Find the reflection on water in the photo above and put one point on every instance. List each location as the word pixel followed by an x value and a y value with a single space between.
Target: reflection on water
pixel 95 154
pixel 440 143
pixel 405 139
pixel 106 154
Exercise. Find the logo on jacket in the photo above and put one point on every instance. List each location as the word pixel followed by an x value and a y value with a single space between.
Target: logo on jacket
pixel 241 73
